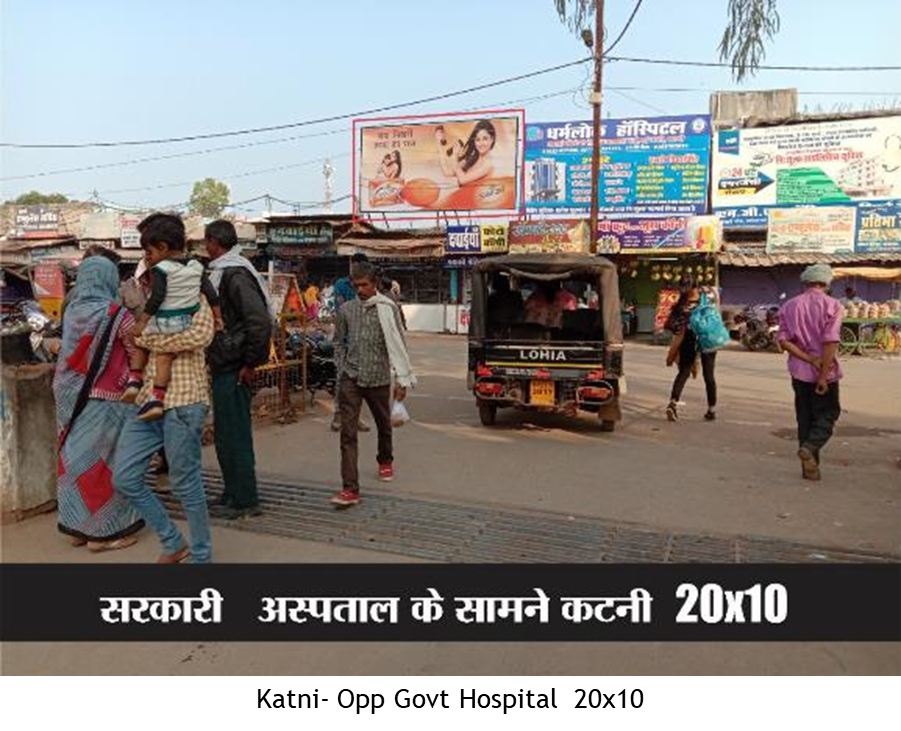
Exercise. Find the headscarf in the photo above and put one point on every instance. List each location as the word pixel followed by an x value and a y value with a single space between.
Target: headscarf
pixel 96 290
pixel 817 274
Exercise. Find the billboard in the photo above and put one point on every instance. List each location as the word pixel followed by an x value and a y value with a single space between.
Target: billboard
pixel 37 222
pixel 823 163
pixel 669 235
pixel 821 230
pixel 545 237
pixel 452 163
pixel 656 165
pixel 878 228
pixel 484 239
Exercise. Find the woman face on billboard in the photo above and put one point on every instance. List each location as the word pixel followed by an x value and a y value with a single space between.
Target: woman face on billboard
pixel 470 161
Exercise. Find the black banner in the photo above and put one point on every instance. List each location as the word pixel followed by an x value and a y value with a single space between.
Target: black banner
pixel 450 603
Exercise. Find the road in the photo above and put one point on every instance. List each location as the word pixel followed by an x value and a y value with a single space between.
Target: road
pixel 736 476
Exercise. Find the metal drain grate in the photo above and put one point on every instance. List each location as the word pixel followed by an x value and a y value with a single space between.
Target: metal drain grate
pixel 454 533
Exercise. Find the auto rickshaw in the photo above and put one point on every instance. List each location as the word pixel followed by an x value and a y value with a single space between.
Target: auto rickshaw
pixel 559 349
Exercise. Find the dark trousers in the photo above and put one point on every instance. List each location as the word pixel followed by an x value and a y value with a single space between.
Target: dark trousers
pixel 234 439
pixel 816 414
pixel 686 361
pixel 350 398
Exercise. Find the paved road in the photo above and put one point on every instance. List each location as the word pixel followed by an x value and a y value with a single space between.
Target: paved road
pixel 737 476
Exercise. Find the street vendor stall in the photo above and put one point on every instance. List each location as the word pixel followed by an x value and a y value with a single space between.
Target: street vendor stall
pixel 871 328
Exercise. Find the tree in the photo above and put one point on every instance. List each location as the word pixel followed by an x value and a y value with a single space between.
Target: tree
pixel 209 198
pixel 751 23
pixel 36 198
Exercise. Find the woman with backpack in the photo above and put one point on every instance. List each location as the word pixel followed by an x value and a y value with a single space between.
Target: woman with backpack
pixel 698 332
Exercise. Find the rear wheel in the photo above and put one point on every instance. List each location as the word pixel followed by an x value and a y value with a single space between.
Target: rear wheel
pixel 487 413
pixel 608 425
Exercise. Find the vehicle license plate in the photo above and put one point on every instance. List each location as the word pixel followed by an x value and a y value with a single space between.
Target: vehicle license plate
pixel 541 393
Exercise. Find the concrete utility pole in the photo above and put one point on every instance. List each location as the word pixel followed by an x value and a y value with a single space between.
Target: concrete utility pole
pixel 596 137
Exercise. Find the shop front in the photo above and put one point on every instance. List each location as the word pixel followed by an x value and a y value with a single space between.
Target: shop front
pixel 655 256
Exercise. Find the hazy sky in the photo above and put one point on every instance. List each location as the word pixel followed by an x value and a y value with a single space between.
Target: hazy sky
pixel 92 70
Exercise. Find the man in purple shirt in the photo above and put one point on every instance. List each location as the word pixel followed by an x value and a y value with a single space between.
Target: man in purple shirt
pixel 809 328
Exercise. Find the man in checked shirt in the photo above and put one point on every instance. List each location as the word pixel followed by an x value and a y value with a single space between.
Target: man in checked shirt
pixel 179 431
pixel 370 349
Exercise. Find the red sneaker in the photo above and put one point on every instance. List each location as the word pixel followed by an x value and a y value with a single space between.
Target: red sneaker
pixel 346 498
pixel 386 472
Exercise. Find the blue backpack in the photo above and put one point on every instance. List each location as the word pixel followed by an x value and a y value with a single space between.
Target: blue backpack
pixel 707 325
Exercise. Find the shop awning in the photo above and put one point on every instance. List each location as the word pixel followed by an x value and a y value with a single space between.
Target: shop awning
pixel 429 247
pixel 873 274
pixel 758 259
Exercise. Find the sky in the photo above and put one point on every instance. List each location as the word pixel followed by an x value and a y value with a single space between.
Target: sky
pixel 109 71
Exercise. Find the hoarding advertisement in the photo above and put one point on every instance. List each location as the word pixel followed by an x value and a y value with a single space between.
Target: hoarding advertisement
pixel 652 165
pixel 878 228
pixel 824 163
pixel 476 239
pixel 546 237
pixel 823 230
pixel 446 164
pixel 670 235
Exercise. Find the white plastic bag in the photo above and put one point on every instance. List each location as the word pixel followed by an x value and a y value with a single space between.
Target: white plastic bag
pixel 399 414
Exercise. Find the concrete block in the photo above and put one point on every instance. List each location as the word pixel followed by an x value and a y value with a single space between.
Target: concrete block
pixel 28 439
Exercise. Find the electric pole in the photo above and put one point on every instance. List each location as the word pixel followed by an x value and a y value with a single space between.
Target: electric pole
pixel 596 136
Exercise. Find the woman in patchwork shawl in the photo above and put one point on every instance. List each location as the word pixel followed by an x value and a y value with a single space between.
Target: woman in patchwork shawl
pixel 90 377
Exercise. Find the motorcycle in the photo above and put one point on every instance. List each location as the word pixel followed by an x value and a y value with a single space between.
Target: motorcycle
pixel 759 327
pixel 322 371
pixel 28 334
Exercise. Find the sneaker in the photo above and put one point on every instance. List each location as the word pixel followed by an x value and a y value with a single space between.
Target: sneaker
pixel 132 389
pixel 710 415
pixel 346 498
pixel 810 469
pixel 151 411
pixel 386 472
pixel 671 413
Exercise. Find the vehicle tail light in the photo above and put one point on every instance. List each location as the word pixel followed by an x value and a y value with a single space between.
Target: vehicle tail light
pixel 489 388
pixel 595 393
pixel 483 371
pixel 597 375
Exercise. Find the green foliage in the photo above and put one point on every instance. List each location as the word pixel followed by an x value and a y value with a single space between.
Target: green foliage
pixel 209 198
pixel 751 23
pixel 36 198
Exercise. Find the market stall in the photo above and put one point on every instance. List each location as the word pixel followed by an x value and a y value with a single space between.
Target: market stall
pixel 870 328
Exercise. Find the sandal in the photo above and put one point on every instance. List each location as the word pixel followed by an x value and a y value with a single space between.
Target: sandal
pixel 114 545
pixel 77 541
pixel 182 554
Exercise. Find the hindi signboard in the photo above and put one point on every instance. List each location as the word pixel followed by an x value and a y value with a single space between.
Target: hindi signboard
pixel 450 163
pixel 36 222
pixel 301 234
pixel 476 239
pixel 823 163
pixel 820 230
pixel 878 228
pixel 669 235
pixel 546 237
pixel 129 236
pixel 653 165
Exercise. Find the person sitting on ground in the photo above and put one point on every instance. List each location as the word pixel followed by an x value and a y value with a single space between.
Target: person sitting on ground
pixel 176 284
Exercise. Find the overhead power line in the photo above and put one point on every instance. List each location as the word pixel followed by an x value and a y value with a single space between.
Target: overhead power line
pixel 625 28
pixel 715 64
pixel 305 123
